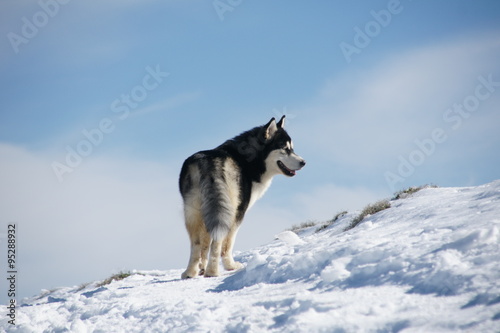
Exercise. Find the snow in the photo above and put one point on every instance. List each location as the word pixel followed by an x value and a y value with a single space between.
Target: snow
pixel 430 263
pixel 290 238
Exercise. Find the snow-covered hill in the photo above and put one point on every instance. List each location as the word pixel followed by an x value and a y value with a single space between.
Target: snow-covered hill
pixel 430 263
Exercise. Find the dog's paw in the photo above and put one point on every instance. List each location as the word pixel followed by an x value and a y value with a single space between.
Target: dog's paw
pixel 234 266
pixel 186 275
pixel 211 273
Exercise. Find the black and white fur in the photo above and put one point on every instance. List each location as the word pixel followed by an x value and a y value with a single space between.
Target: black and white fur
pixel 218 186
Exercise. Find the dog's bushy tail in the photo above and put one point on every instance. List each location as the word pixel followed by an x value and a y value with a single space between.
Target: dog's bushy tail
pixel 206 174
pixel 216 208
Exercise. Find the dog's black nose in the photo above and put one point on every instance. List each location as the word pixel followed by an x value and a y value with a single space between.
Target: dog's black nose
pixel 302 163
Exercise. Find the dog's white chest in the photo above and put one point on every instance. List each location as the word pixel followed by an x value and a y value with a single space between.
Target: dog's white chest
pixel 258 190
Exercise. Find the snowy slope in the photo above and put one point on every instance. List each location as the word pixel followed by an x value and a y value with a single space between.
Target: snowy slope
pixel 430 263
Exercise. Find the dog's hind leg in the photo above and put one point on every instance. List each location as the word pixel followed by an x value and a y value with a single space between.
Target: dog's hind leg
pixel 195 228
pixel 227 250
pixel 205 246
pixel 194 260
pixel 213 261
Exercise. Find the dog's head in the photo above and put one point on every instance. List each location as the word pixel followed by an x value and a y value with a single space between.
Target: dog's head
pixel 281 158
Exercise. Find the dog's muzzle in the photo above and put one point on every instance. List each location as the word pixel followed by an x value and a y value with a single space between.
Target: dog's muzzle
pixel 290 172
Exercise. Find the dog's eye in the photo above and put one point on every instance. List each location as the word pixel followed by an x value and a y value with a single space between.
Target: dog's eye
pixel 287 150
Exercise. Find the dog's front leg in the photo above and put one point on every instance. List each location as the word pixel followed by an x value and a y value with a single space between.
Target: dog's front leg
pixel 213 260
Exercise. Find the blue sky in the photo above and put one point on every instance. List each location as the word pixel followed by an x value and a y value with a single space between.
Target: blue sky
pixel 417 102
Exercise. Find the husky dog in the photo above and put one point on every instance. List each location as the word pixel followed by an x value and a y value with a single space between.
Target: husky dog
pixel 218 186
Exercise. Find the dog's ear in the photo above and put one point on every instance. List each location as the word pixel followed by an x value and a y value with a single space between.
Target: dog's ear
pixel 281 123
pixel 270 129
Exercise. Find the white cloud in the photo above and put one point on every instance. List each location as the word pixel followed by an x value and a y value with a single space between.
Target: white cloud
pixel 167 104
pixel 323 202
pixel 368 118
pixel 108 215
